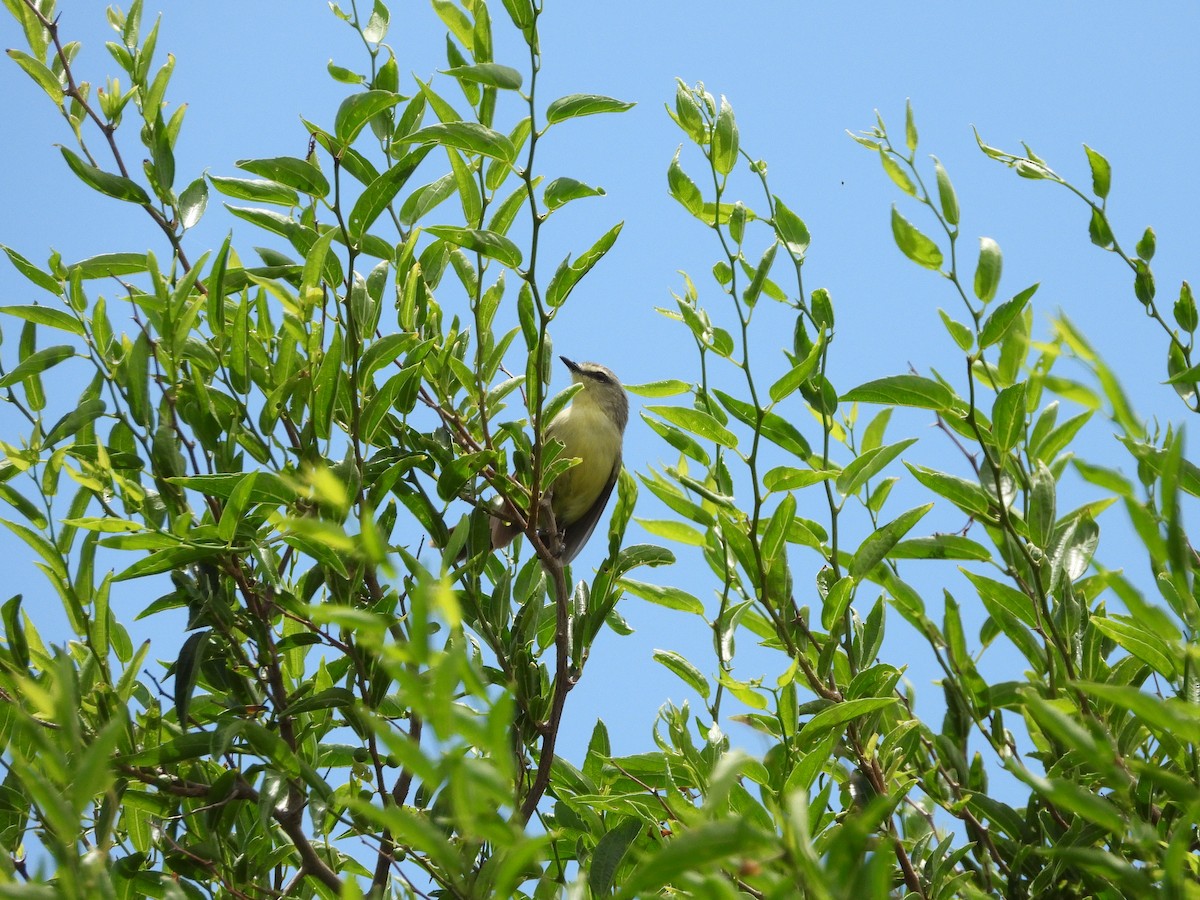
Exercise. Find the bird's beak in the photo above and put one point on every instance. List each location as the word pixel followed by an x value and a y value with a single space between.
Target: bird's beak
pixel 570 365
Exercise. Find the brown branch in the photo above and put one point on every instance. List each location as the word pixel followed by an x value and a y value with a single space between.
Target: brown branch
pixel 311 862
pixel 106 128
pixel 387 850
pixel 562 682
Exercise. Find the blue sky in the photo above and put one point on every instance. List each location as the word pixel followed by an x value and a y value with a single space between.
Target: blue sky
pixel 1120 77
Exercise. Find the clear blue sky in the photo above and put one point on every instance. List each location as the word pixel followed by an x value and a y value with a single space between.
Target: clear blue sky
pixel 1121 77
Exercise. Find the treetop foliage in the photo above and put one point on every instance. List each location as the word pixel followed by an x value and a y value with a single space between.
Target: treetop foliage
pixel 300 437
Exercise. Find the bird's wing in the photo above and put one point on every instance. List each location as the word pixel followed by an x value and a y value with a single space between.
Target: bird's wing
pixel 577 533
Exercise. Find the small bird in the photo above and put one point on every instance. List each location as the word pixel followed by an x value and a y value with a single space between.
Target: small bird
pixel 591 428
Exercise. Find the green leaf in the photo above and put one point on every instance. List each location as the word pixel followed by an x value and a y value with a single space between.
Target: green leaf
pixel 23 505
pixel 575 105
pixel 786 478
pixel 42 279
pixel 487 243
pixel 687 114
pixel 868 465
pixel 70 424
pixel 896 173
pixel 941 546
pixel 467 136
pixel 1185 308
pixel 570 272
pixel 879 543
pixel 14 633
pixel 40 73
pixel 1167 718
pixel 668 388
pixel 1003 316
pixel 116 186
pixel 468 188
pixel 344 75
pixel 377 23
pixel 999 598
pixel 670 530
pixel 744 691
pixel 724 139
pixel 268 487
pixel 774 535
pixel 946 195
pixel 839 714
pixel 561 191
pixel 1041 514
pixel 910 128
pixel 505 212
pixel 670 597
pixel 1143 644
pixel 1008 417
pixel 913 244
pixel 873 434
pixel 166 560
pixel 187 670
pixel 1101 172
pixel 109 525
pixel 236 507
pixel 314 262
pixel 791 229
pixel 1075 545
pixel 837 602
pixel 610 851
pixel 111 265
pixel 1146 244
pixel 966 495
pixel 36 363
pixel 707 845
pixel 425 198
pixel 299 174
pixel 755 288
pixel 460 470
pixel 688 673
pixel 521 13
pixel 683 189
pixel 491 74
pixel 1099 230
pixel 357 110
pixel 962 335
pixel 737 222
pixel 904 390
pixel 987 272
pixel 192 203
pixel 697 422
pixel 256 190
pixel 770 425
pixel 1143 282
pixel 135 372
pixel 46 315
pixel 325 385
pixel 678 439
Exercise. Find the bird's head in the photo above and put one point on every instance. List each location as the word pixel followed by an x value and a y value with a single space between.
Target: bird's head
pixel 602 388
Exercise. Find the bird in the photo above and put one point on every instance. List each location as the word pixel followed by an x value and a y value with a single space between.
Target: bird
pixel 591 428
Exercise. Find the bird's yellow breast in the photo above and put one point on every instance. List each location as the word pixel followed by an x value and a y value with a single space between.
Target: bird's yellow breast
pixel 589 434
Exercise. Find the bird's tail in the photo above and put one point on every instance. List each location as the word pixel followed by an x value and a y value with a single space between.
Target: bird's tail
pixel 503 532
